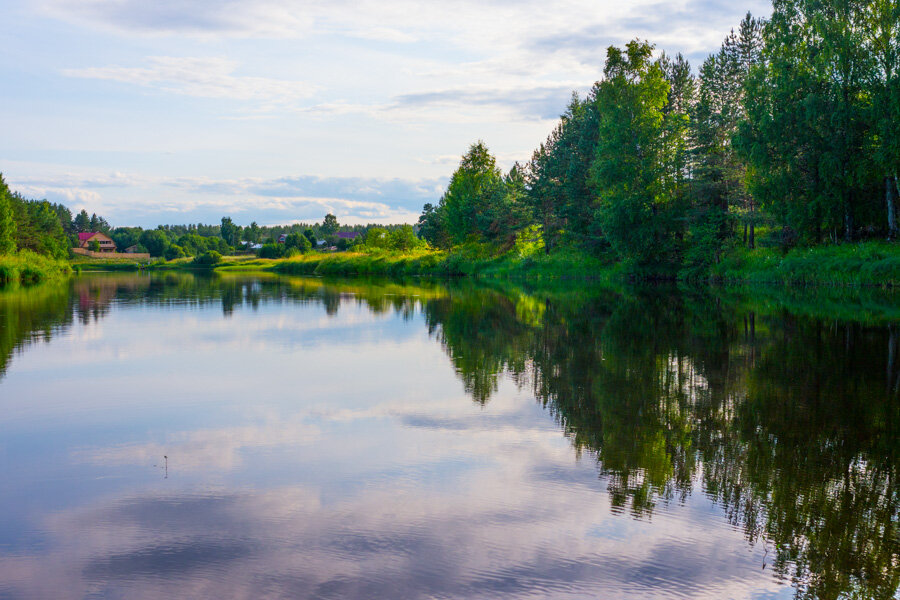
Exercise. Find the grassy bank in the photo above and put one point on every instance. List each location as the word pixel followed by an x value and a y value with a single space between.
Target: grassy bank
pixel 113 262
pixel 863 264
pixel 27 268
pixel 463 262
pixel 868 263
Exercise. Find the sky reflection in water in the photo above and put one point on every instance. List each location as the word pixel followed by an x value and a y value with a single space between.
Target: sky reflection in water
pixel 362 441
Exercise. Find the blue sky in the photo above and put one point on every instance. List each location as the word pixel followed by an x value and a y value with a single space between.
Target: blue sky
pixel 280 110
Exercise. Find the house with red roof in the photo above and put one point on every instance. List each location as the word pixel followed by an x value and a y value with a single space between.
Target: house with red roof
pixel 106 243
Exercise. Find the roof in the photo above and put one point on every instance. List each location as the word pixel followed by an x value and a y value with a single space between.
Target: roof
pixel 85 236
pixel 348 235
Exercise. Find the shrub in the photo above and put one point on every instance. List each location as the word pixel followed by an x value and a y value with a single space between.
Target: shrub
pixel 174 251
pixel 298 242
pixel 271 251
pixel 208 259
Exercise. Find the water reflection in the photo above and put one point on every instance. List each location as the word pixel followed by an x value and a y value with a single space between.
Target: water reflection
pixel 728 445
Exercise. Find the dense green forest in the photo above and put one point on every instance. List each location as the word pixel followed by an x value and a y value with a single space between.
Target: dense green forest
pixel 787 136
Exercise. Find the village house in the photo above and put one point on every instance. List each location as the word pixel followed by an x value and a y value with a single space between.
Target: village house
pixel 106 243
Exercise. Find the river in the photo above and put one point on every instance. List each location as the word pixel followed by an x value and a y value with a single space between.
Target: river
pixel 250 436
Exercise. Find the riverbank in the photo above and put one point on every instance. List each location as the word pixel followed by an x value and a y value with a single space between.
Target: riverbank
pixel 28 268
pixel 471 262
pixel 862 264
pixel 865 264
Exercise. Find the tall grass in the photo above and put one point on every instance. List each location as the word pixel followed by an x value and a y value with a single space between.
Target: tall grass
pixel 26 267
pixel 465 261
pixel 867 263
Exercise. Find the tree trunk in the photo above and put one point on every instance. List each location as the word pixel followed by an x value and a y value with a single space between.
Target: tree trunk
pixel 848 224
pixel 890 195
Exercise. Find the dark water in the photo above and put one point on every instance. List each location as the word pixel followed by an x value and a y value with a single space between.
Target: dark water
pixel 250 437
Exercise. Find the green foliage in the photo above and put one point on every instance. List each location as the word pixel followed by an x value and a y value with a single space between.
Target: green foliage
pixel 82 222
pixel 808 119
pixel 174 251
pixel 330 225
pixel 253 233
pixel 194 244
pixel 230 232
pixel 208 259
pixel 480 203
pixel 376 237
pixel 126 237
pixel 475 186
pixel 793 127
pixel 7 224
pixel 432 227
pixel 272 251
pixel 298 243
pixel 38 227
pixel 870 263
pixel 27 267
pixel 631 174
pixel 155 241
pixel 402 239
pixel 529 242
pixel 558 187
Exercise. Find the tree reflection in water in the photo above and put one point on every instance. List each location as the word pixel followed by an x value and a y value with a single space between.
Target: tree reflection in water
pixel 787 421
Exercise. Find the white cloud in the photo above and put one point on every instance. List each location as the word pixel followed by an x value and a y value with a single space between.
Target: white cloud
pixel 201 77
pixel 175 17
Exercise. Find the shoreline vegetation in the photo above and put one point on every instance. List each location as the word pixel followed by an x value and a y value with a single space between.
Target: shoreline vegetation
pixel 28 268
pixel 871 264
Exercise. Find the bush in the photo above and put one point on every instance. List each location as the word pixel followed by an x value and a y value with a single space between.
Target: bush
pixel 174 251
pixel 271 251
pixel 155 241
pixel 208 259
pixel 29 267
pixel 298 242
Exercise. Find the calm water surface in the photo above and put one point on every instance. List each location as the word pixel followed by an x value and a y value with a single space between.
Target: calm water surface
pixel 252 437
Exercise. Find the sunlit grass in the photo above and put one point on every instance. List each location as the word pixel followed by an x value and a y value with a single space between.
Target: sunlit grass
pixel 867 263
pixel 26 267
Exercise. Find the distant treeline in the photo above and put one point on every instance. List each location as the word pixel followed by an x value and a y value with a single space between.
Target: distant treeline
pixel 50 229
pixel 176 241
pixel 788 135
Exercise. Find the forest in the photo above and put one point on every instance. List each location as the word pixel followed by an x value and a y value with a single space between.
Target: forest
pixel 786 137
